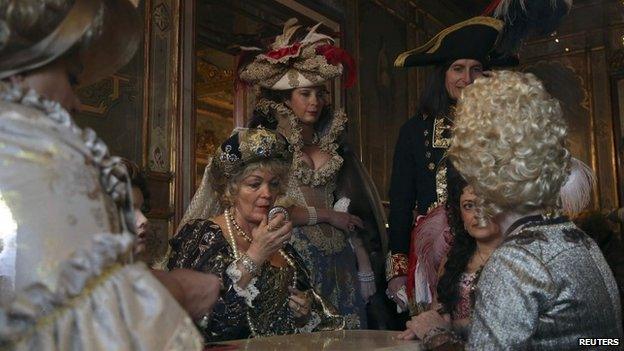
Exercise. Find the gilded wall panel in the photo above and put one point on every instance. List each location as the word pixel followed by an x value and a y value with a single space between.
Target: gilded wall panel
pixel 160 89
pixel 383 89
pixel 603 128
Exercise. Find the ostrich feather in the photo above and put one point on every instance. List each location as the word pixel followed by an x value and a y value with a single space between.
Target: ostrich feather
pixel 577 191
pixel 523 18
pixel 431 241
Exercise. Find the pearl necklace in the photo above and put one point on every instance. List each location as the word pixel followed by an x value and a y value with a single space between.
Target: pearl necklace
pixel 231 221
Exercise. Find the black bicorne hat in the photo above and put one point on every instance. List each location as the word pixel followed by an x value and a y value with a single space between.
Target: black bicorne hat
pixel 474 39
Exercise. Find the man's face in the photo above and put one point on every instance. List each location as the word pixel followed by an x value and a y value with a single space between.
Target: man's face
pixel 461 74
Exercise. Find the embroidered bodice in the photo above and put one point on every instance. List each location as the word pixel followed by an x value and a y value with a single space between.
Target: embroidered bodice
pixel 201 245
pixel 463 308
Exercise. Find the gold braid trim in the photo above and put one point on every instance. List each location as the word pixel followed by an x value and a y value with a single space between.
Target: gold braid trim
pixel 434 43
pixel 396 265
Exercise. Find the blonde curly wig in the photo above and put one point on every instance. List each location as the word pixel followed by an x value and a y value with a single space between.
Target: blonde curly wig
pixel 509 143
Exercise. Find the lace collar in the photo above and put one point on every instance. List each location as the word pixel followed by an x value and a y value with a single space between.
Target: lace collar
pixel 328 142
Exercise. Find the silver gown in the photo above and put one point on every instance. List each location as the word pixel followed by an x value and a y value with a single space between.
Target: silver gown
pixel 65 280
pixel 545 287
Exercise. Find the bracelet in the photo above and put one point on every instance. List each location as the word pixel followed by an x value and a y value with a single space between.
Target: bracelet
pixel 250 266
pixel 279 209
pixel 312 216
pixel 366 276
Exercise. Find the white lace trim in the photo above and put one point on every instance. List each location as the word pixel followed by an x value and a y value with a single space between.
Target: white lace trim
pixel 342 205
pixel 313 322
pixel 250 292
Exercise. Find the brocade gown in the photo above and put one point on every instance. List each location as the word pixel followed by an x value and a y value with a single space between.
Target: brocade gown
pixel 326 250
pixel 201 245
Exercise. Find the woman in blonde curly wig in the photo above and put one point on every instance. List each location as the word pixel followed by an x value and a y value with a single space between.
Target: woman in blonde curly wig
pixel 547 284
pixel 509 142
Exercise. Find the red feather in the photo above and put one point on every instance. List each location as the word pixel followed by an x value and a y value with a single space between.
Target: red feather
pixel 289 50
pixel 430 243
pixel 491 7
pixel 335 56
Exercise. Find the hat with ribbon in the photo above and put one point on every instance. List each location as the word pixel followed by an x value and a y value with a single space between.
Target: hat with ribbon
pixel 291 63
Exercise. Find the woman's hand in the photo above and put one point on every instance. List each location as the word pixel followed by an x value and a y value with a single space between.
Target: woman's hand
pixel 268 238
pixel 299 303
pixel 394 286
pixel 197 292
pixel 345 221
pixel 420 325
pixel 367 287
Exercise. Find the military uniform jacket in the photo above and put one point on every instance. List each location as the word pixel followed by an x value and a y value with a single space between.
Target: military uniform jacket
pixel 418 176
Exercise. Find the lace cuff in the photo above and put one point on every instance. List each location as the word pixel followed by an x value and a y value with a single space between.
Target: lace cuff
pixel 250 292
pixel 313 322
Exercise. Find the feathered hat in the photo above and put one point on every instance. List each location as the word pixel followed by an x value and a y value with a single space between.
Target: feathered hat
pixel 291 63
pixel 523 17
pixel 34 33
pixel 474 38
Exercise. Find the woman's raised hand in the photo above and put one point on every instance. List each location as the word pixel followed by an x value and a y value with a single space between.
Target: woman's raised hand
pixel 269 237
pixel 345 221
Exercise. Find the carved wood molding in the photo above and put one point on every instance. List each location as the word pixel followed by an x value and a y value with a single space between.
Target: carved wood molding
pixel 616 60
pixel 96 99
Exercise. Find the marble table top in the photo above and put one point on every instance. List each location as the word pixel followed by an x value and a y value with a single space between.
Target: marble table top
pixel 343 340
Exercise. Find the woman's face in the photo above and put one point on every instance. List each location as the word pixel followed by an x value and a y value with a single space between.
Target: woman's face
pixel 256 195
pixel 467 204
pixel 55 82
pixel 307 103
pixel 461 74
pixel 141 221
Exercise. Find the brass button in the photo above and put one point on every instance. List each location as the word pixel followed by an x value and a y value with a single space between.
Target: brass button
pixel 431 166
pixel 428 154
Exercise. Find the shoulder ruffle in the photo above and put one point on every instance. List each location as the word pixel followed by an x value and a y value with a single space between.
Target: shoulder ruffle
pixel 97 293
pixel 113 174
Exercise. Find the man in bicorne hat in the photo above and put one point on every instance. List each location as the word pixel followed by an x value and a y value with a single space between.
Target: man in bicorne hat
pixel 66 222
pixel 459 54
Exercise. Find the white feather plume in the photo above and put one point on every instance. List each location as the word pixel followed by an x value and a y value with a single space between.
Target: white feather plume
pixel 576 193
